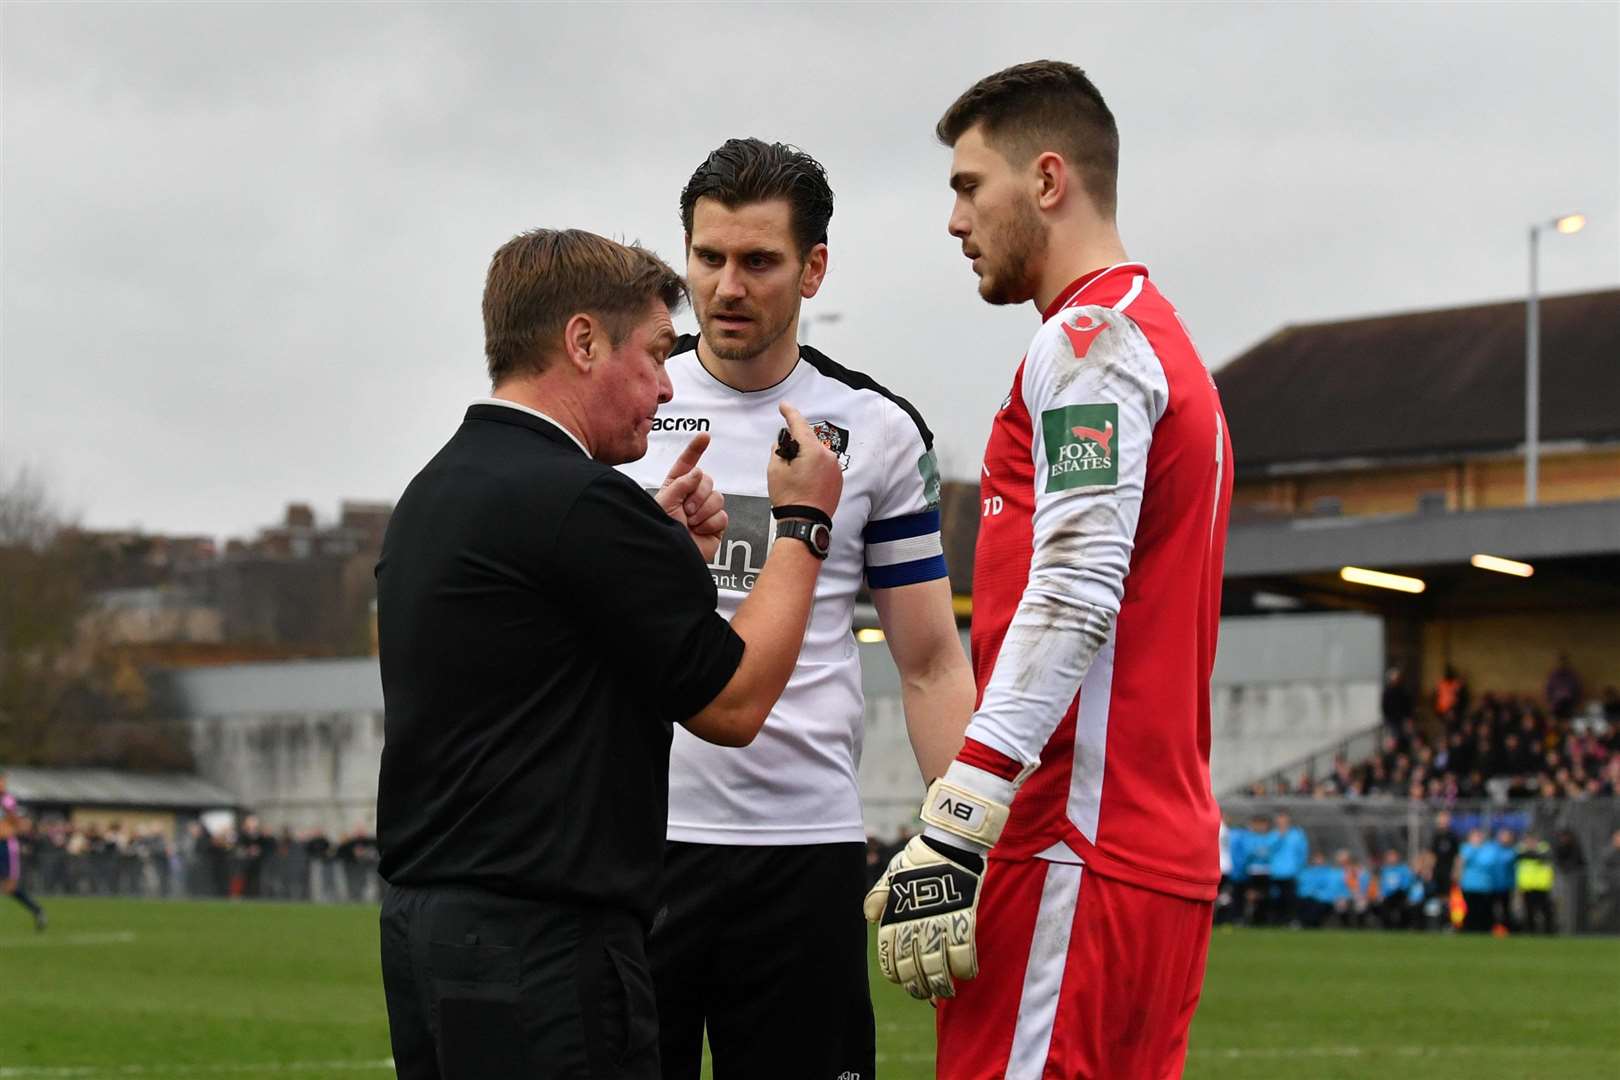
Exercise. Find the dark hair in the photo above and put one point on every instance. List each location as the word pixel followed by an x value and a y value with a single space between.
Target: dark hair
pixel 744 171
pixel 540 279
pixel 1043 105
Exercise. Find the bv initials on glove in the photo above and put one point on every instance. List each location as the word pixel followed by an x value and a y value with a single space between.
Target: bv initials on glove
pixel 926 903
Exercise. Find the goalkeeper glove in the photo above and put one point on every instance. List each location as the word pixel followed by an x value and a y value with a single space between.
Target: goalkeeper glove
pixel 927 901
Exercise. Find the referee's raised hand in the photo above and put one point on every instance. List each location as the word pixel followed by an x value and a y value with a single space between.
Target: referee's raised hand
pixel 811 476
pixel 688 495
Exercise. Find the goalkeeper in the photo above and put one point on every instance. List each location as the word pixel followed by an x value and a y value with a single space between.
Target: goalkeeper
pixel 1063 931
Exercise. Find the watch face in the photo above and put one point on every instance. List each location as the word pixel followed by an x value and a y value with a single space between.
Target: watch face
pixel 817 536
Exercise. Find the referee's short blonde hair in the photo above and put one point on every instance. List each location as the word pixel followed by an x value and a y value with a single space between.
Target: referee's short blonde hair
pixel 540 279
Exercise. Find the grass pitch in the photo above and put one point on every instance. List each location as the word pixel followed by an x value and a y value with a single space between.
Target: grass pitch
pixel 122 988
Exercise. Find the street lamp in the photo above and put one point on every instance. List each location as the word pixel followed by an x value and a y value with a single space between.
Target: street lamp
pixel 1568 225
pixel 826 317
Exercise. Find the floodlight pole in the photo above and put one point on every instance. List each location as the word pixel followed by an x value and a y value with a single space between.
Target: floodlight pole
pixel 1567 225
pixel 1532 380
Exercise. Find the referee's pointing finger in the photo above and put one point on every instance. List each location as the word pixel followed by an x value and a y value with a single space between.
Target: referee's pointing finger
pixel 689 457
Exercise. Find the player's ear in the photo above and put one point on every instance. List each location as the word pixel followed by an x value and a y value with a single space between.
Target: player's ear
pixel 813 272
pixel 1050 175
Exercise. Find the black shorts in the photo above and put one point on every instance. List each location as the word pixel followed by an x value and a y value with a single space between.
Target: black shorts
pixel 766 948
pixel 488 987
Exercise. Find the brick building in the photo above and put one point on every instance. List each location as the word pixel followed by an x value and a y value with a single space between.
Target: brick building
pixel 1397 444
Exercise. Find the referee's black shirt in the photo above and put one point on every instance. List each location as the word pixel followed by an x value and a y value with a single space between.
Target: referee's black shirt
pixel 542 623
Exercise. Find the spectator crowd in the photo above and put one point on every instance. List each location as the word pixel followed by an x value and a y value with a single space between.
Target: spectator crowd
pixel 1478 882
pixel 1499 746
pixel 59 858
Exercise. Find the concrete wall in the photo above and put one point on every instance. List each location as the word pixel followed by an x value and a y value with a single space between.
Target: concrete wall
pixel 1286 686
pixel 298 742
pixel 300 770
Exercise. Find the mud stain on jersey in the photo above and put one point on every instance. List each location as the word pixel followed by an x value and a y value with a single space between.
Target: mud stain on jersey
pixel 1056 632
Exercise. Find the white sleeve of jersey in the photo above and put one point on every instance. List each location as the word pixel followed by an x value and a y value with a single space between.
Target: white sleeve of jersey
pixel 903 544
pixel 1094 390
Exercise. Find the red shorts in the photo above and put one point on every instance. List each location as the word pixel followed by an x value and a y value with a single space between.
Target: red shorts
pixel 1081 977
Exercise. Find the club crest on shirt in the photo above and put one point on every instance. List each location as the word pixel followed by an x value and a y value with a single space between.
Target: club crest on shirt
pixel 835 439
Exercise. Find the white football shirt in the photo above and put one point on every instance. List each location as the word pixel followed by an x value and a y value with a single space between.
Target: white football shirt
pixel 795 784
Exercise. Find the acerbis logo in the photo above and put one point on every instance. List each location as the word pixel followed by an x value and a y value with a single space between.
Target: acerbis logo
pixel 680 423
pixel 920 894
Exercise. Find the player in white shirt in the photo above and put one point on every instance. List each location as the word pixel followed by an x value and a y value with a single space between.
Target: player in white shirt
pixel 781 985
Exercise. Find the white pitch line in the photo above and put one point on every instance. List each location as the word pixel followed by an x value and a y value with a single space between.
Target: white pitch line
pixel 1286 1052
pixel 40 941
pixel 1233 1052
pixel 94 1072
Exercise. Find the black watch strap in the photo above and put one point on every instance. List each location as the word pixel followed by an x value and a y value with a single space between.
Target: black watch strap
pixel 809 513
pixel 816 535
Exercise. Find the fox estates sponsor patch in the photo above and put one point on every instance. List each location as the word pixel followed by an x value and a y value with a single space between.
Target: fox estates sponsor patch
pixel 1080 446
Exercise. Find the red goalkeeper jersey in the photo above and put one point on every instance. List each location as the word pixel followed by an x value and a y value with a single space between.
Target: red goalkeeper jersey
pixel 1097 589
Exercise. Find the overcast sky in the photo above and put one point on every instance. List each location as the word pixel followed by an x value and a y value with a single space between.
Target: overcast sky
pixel 243 247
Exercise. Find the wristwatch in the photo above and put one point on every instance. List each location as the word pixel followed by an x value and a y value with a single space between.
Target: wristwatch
pixel 816 535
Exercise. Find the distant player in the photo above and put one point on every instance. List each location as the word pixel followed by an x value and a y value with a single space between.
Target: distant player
pixel 11 857
pixel 1097 590
pixel 781 985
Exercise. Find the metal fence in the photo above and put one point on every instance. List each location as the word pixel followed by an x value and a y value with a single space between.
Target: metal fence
pixel 156 870
pixel 1586 892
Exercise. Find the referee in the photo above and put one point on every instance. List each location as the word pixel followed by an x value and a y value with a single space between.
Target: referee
pixel 543 623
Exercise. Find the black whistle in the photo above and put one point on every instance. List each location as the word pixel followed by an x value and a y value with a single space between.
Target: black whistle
pixel 787 447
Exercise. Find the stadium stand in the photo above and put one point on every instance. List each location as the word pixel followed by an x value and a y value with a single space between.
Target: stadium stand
pixel 1502 747
pixel 1396 444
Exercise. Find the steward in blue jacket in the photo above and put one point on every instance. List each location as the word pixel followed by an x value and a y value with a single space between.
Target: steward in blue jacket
pixel 1394 883
pixel 1288 858
pixel 1477 880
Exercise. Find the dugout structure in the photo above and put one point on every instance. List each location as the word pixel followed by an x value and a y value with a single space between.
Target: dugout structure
pixel 102 797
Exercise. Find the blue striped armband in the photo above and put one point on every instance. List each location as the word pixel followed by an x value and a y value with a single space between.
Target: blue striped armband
pixel 903 550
